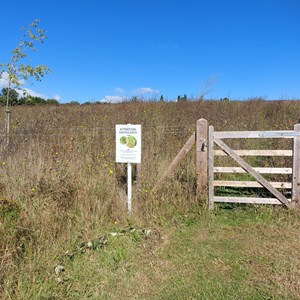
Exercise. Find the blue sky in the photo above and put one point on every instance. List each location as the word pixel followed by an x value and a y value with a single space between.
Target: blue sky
pixel 116 49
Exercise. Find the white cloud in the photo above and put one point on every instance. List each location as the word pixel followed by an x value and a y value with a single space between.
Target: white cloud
pixel 146 90
pixel 23 91
pixel 121 94
pixel 56 97
pixel 4 80
pixel 120 91
pixel 112 99
pixel 26 91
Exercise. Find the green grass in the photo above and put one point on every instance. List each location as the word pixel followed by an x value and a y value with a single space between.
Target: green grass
pixel 234 253
pixel 60 186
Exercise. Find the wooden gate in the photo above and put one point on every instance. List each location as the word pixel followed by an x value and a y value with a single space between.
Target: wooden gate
pixel 216 138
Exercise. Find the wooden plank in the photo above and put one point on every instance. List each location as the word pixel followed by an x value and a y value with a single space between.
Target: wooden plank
pixel 296 169
pixel 255 134
pixel 211 168
pixel 259 170
pixel 201 155
pixel 177 160
pixel 257 152
pixel 255 174
pixel 248 200
pixel 230 183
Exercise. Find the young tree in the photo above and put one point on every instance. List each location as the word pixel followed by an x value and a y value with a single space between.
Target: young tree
pixel 16 72
pixel 207 87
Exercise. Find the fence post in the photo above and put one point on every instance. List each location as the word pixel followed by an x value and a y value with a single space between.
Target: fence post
pixel 7 127
pixel 211 168
pixel 201 155
pixel 296 169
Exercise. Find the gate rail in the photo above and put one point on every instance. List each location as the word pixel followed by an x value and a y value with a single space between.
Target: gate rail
pixel 216 137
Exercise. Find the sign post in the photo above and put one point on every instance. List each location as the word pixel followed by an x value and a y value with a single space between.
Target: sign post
pixel 129 187
pixel 129 150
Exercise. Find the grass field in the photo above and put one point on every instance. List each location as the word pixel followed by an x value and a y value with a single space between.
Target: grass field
pixel 229 254
pixel 61 191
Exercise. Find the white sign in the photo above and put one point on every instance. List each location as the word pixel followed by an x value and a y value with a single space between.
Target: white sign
pixel 128 143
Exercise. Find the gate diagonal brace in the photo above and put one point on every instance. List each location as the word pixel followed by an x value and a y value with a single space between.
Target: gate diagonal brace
pixel 255 174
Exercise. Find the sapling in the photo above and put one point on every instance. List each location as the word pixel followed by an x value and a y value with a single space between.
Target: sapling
pixel 16 71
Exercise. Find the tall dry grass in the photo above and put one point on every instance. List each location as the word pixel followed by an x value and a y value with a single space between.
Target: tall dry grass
pixel 59 182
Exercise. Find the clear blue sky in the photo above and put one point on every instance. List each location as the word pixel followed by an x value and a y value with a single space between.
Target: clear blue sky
pixel 96 49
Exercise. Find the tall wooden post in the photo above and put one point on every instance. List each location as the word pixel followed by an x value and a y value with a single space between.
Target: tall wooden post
pixel 296 169
pixel 211 192
pixel 201 155
pixel 7 127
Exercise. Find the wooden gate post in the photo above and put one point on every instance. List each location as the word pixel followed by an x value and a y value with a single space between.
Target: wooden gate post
pixel 296 169
pixel 201 155
pixel 211 192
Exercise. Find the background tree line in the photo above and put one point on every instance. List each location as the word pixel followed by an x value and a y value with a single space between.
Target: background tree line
pixel 15 99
